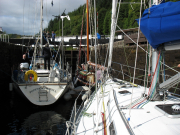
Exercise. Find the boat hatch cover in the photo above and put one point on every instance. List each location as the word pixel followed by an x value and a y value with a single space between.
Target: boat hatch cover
pixel 124 92
pixel 170 110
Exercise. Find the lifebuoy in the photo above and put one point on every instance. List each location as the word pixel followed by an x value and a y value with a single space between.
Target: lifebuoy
pixel 30 72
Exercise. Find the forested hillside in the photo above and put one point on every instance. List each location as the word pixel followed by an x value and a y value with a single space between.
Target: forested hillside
pixel 126 19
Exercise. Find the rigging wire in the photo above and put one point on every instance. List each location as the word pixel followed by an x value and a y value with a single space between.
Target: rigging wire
pixel 146 69
pixel 81 37
pixel 28 16
pixel 23 16
pixel 91 24
pixel 150 54
pixel 131 6
pixel 144 49
pixel 152 93
pixel 35 16
pixel 151 81
pixel 97 96
pixel 136 56
pixel 46 12
pixel 127 63
pixel 118 11
pixel 145 74
pixel 23 27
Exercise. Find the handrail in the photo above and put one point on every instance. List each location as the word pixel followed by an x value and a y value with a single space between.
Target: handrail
pixel 3 37
pixel 74 121
pixel 133 68
pixel 124 74
pixel 122 115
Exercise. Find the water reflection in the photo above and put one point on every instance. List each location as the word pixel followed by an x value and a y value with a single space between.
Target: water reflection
pixel 47 122
pixel 20 117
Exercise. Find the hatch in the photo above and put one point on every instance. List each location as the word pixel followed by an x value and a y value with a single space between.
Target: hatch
pixel 170 110
pixel 124 92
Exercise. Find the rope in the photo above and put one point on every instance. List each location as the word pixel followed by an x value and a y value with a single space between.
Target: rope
pixel 154 73
pixel 152 93
pixel 137 100
pixel 151 81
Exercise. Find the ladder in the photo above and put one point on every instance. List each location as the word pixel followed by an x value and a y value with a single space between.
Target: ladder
pixel 43 96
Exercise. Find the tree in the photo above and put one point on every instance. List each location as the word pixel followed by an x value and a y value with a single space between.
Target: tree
pixel 107 23
pixel 101 16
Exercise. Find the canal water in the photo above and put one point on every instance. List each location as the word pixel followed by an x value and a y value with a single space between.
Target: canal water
pixel 20 117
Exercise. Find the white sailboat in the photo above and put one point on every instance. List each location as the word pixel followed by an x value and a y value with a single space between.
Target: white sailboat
pixel 41 86
pixel 120 107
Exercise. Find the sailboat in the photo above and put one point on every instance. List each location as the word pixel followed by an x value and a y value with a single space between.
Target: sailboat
pixel 85 74
pixel 38 85
pixel 119 107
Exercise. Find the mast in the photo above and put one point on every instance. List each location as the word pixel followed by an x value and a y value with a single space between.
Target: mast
pixel 41 25
pixel 97 116
pixel 62 40
pixel 113 28
pixel 154 60
pixel 87 30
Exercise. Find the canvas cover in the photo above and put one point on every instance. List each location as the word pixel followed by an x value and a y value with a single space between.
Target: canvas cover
pixel 161 23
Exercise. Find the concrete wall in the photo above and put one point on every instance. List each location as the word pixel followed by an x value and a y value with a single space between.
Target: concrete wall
pixel 10 56
pixel 126 55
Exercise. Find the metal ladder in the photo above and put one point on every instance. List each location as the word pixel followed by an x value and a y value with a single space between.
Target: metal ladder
pixel 43 95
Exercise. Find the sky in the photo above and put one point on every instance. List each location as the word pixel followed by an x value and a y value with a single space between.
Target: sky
pixel 23 16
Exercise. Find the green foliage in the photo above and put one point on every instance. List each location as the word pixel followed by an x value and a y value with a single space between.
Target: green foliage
pixel 101 19
pixel 14 36
pixel 69 48
pixel 107 23
pixel 126 19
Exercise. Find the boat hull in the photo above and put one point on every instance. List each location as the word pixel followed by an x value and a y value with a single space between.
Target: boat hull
pixel 110 112
pixel 42 93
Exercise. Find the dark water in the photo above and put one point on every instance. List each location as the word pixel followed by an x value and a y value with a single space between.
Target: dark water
pixel 20 117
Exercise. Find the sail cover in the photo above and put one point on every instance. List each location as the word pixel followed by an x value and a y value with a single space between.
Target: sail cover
pixel 161 23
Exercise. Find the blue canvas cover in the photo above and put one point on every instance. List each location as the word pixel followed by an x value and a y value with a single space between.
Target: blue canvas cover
pixel 161 23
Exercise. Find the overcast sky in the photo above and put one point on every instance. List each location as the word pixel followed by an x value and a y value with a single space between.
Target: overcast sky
pixel 23 16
